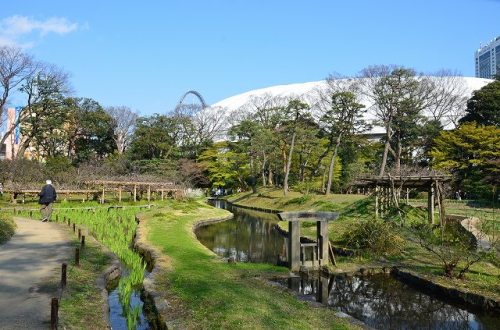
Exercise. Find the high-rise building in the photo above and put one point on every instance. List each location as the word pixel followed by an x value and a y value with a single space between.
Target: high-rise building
pixel 488 59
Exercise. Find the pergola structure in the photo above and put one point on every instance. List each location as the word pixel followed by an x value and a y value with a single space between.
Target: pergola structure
pixel 162 189
pixel 99 188
pixel 388 188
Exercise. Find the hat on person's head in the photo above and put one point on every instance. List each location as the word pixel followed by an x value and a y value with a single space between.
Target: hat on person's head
pixel 48 182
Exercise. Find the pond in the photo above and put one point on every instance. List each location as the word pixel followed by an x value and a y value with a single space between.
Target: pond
pixel 380 301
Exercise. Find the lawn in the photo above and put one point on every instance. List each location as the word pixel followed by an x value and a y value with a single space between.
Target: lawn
pixel 210 293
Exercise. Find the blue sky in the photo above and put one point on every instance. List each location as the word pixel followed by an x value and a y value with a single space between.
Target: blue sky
pixel 146 54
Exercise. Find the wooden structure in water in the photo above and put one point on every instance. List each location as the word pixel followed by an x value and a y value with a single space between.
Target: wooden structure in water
pixel 308 254
pixel 388 191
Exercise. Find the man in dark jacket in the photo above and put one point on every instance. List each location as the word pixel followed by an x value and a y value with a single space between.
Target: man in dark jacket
pixel 47 197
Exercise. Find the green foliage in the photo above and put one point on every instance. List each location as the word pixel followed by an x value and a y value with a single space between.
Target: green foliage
pixel 225 167
pixel 115 229
pixel 484 106
pixel 91 130
pixel 451 245
pixel 7 228
pixel 155 137
pixel 472 152
pixel 376 236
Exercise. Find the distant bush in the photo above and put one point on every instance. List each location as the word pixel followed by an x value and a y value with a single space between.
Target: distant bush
pixel 7 228
pixel 375 236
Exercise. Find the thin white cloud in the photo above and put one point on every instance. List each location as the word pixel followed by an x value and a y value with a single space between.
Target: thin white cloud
pixel 14 30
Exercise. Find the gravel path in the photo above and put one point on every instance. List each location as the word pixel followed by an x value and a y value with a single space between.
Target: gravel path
pixel 30 265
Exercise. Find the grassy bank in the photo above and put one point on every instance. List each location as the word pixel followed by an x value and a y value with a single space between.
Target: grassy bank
pixel 209 293
pixel 482 278
pixel 82 302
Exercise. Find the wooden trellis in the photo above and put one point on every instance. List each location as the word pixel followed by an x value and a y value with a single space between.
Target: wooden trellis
pixel 388 190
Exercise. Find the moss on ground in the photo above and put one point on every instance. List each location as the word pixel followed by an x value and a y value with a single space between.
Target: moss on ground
pixel 210 293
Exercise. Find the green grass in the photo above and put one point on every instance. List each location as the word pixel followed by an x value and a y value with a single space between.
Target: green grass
pixel 272 198
pixel 82 302
pixel 215 294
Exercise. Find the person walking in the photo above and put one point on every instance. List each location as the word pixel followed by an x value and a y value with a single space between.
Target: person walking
pixel 47 197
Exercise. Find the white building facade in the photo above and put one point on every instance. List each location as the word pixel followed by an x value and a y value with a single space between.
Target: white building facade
pixel 487 59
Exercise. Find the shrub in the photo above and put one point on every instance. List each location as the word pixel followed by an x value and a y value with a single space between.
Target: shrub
pixel 375 236
pixel 7 227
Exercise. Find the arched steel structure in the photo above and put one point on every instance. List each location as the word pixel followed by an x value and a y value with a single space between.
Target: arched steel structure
pixel 195 93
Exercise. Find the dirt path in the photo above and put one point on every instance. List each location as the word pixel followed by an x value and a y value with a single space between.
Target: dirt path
pixel 30 266
pixel 472 224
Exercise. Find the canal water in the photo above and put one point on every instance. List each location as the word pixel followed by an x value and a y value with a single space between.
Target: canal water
pixel 380 301
pixel 249 237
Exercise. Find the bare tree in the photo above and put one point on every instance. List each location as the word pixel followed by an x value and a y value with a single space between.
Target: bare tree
pixel 124 120
pixel 444 96
pixel 15 67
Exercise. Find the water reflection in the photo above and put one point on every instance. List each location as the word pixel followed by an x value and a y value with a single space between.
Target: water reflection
pixel 385 303
pixel 249 237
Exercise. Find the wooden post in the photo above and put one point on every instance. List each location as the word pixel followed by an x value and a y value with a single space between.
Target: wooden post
pixel 294 245
pixel 376 202
pixel 82 244
pixel 149 193
pixel 31 214
pixel 135 193
pixel 162 193
pixel 79 233
pixel 54 311
pixel 74 228
pixel 119 194
pixel 77 256
pixel 63 275
pixel 323 241
pixel 430 204
pixel 103 191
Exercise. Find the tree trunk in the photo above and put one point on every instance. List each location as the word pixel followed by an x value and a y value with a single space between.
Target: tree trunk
pixel 398 154
pixel 264 183
pixel 386 150
pixel 288 165
pixel 332 166
pixel 270 176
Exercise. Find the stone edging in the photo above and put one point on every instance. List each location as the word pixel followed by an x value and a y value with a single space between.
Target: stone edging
pixel 261 209
pixel 202 223
pixel 472 299
pixel 156 303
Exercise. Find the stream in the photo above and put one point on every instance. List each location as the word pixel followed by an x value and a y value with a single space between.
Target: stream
pixel 380 301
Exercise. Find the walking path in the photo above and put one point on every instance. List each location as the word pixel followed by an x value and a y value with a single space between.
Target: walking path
pixel 472 224
pixel 30 265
